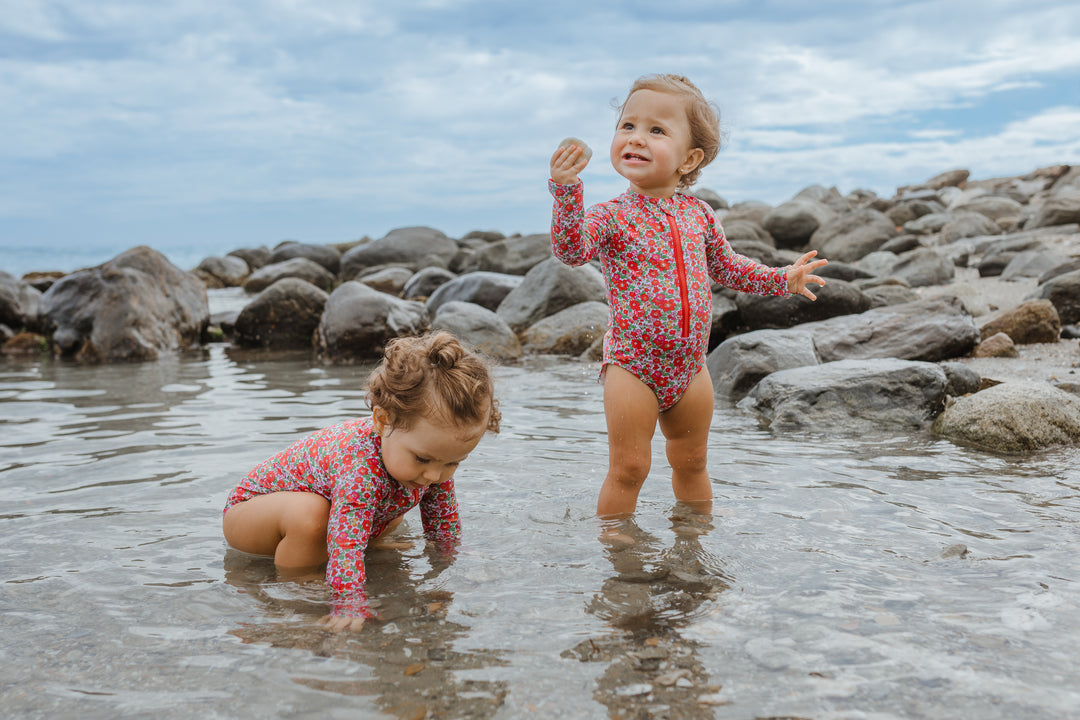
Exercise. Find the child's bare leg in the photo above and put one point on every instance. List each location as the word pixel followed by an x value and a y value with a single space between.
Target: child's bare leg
pixel 686 427
pixel 631 409
pixel 290 526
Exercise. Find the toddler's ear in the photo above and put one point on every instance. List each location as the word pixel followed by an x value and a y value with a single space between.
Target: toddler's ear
pixel 693 159
pixel 380 419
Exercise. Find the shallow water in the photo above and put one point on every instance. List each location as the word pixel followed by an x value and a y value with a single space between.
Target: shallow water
pixel 828 583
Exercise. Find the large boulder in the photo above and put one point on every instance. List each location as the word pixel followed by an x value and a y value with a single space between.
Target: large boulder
pixel 850 396
pixel 412 247
pixel 390 280
pixel 1060 208
pixel 995 207
pixel 548 288
pixel 567 332
pixel 922 267
pixel 479 328
pixel 300 268
pixel 358 322
pixel 422 284
pixel 965 224
pixel 513 255
pixel 324 255
pixel 19 303
pixel 1012 417
pixel 486 289
pixel 283 316
pixel 223 272
pixel 834 298
pixel 791 224
pixel 1064 292
pixel 254 257
pixel 738 363
pixel 852 235
pixel 134 307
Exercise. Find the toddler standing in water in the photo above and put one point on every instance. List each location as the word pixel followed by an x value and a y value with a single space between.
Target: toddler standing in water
pixel 658 248
pixel 324 498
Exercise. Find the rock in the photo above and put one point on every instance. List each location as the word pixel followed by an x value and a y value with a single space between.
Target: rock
pixel 964 224
pixel 992 206
pixel 930 330
pixel 752 210
pixel 548 288
pixel 850 396
pixel 486 236
pixel 300 268
pixel 324 255
pixel 747 230
pixel 852 235
pixel 513 256
pixel 254 257
pixel 715 201
pixel 1033 321
pixel 1067 267
pixel 358 322
pixel 877 264
pixel 134 307
pixel 927 224
pixel 223 272
pixel 283 316
pixel 1012 417
pixel 41 281
pixel 412 247
pixel 883 295
pixel 1064 292
pixel 998 345
pixel 923 266
pixel 25 344
pixel 907 210
pixel 950 178
pixel 835 298
pixel 762 252
pixel 845 271
pixel 997 255
pixel 738 363
pixel 567 332
pixel 425 282
pixel 724 319
pixel 483 288
pixel 390 280
pixel 960 379
pixel 792 223
pixel 479 328
pixel 19 303
pixel 1060 208
pixel 901 244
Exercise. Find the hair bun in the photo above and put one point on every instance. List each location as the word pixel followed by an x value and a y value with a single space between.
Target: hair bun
pixel 445 351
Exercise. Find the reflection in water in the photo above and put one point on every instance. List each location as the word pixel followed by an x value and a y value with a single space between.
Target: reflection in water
pixel 407 649
pixel 653 594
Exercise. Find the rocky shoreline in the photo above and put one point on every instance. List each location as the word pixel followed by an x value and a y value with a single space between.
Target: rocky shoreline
pixel 952 305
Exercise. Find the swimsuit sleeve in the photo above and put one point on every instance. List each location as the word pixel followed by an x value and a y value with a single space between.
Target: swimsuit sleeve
pixel 347 536
pixel 439 514
pixel 739 272
pixel 575 234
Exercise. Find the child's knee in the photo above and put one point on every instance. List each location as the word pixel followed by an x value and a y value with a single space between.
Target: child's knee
pixel 630 470
pixel 687 456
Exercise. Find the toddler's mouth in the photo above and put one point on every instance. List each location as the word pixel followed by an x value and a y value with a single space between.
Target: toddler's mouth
pixel 633 156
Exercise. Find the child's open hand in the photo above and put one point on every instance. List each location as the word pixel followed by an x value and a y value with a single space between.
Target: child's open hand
pixel 569 159
pixel 338 623
pixel 800 273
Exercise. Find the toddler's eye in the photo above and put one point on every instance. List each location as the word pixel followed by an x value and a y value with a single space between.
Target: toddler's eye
pixel 422 461
pixel 627 126
pixel 658 131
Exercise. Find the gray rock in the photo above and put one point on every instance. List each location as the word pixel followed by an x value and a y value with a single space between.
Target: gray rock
pixel 762 252
pixel 1067 267
pixel 992 206
pixel 998 345
pixel 358 322
pixel 19 303
pixel 1012 417
pixel 924 266
pixel 927 224
pixel 883 295
pixel 715 201
pixel 960 379
pixel 1060 208
pixel 930 330
pixel 283 316
pixel 853 235
pixel 878 263
pixel 724 319
pixel 968 224
pixel 752 210
pixel 850 396
pixel 997 254
pixel 836 297
pixel 422 284
pixel 1064 292
pixel 949 178
pixel 324 255
pixel 844 271
pixel 134 307
pixel 300 268
pixel 1034 264
pixel 567 332
pixel 254 257
pixel 483 288
pixel 747 230
pixel 478 328
pixel 223 272
pixel 791 224
pixel 738 363
pixel 907 210
pixel 901 244
pixel 412 247
pixel 548 288
pixel 513 256
pixel 390 280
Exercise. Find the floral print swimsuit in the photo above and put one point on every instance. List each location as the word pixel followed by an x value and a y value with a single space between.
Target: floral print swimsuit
pixel 343 463
pixel 657 256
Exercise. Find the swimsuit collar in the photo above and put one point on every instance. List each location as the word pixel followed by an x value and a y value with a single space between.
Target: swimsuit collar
pixel 668 205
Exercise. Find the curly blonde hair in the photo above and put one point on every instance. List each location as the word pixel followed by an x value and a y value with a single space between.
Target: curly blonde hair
pixel 703 116
pixel 433 376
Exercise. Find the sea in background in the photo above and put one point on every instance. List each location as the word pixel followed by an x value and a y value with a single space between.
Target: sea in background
pixel 876 576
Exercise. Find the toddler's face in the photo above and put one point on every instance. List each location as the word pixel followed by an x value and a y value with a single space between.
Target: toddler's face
pixel 426 453
pixel 651 147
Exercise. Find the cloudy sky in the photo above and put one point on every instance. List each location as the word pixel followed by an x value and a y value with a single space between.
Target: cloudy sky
pixel 200 126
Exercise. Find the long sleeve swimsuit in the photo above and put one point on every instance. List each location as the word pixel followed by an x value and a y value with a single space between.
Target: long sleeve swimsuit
pixel 343 463
pixel 657 255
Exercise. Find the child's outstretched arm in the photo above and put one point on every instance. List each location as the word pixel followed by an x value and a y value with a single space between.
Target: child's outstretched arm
pixel 801 272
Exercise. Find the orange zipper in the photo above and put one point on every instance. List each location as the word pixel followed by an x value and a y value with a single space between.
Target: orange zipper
pixel 680 268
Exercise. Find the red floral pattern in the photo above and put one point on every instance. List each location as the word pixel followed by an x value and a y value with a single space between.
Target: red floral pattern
pixel 343 463
pixel 657 256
